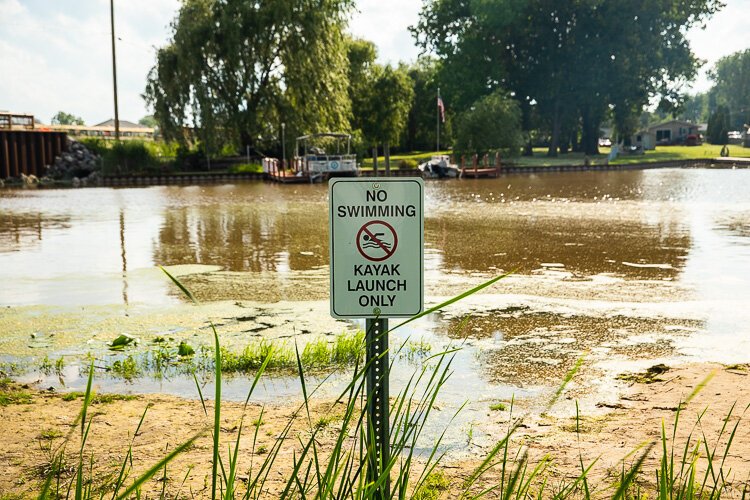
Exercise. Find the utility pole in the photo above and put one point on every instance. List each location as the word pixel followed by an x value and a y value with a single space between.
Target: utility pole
pixel 114 68
pixel 283 145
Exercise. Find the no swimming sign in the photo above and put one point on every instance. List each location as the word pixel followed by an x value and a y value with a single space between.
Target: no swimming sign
pixel 377 240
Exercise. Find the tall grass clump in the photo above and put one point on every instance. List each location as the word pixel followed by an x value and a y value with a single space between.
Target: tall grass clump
pixel 164 360
pixel 346 349
pixel 679 476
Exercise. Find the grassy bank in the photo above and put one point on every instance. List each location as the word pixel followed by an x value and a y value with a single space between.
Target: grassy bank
pixel 676 153
pixel 660 154
pixel 315 449
pixel 413 159
pixel 540 158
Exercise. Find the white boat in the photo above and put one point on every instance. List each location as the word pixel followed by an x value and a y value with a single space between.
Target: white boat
pixel 317 157
pixel 325 155
pixel 439 167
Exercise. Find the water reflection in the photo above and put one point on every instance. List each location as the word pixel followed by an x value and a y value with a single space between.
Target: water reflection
pixel 619 265
pixel 632 224
pixel 584 239
pixel 245 237
pixel 19 231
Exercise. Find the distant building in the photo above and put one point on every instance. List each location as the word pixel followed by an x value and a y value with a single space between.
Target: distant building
pixel 16 121
pixel 106 130
pixel 667 133
pixel 673 132
pixel 643 140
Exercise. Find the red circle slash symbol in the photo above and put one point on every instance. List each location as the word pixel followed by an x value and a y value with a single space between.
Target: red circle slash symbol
pixel 377 240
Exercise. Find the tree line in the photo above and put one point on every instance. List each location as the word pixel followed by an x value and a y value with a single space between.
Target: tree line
pixel 512 73
pixel 726 105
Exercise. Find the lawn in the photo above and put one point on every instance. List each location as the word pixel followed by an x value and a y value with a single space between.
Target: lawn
pixel 417 156
pixel 662 153
pixel 667 153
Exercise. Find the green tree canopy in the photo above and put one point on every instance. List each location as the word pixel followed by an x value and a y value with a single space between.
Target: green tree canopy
pixel 718 126
pixel 387 109
pixel 381 96
pixel 63 118
pixel 148 121
pixel 492 123
pixel 586 58
pixel 234 70
pixel 421 130
pixel 731 76
pixel 362 72
pixel 695 108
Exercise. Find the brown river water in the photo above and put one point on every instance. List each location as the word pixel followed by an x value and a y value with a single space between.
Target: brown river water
pixel 627 269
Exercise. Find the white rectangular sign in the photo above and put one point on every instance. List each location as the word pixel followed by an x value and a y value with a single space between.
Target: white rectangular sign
pixel 377 241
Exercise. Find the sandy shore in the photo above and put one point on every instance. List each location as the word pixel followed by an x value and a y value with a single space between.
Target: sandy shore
pixel 34 429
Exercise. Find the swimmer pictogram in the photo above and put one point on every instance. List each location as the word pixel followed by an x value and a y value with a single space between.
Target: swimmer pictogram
pixel 377 240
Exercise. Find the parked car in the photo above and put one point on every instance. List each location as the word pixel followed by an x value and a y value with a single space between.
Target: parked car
pixel 734 137
pixel 605 142
pixel 693 140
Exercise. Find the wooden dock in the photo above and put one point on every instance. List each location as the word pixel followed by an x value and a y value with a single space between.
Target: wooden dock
pixel 475 172
pixel 289 177
pixel 278 171
pixel 28 152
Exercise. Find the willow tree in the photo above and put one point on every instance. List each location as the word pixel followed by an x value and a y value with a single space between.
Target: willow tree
pixel 234 70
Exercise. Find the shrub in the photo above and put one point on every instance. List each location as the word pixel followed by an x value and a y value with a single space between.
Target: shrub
pixel 492 123
pixel 246 168
pixel 407 164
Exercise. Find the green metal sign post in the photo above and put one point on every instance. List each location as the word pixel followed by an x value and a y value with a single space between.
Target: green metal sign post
pixel 378 410
pixel 377 272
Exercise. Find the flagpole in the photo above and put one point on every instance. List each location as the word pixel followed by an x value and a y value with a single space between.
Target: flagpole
pixel 438 120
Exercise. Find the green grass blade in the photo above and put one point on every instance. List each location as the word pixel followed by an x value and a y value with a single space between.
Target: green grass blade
pixel 200 393
pixel 629 478
pixel 54 470
pixel 301 373
pixel 184 290
pixel 701 385
pixel 157 467
pixel 258 374
pixel 87 396
pixel 217 411
pixel 566 380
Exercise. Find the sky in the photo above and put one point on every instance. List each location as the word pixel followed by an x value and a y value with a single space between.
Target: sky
pixel 55 54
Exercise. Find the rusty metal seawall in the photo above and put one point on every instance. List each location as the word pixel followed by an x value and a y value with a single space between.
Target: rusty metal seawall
pixel 29 151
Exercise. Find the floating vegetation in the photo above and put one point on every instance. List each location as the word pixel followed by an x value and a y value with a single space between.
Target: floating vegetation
pixel 49 367
pixel 121 342
pixel 184 349
pixel 415 349
pixel 650 376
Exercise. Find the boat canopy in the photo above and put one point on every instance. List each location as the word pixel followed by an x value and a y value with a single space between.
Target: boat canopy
pixel 339 135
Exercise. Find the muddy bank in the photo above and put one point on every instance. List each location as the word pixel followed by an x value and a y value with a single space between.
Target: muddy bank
pixel 36 425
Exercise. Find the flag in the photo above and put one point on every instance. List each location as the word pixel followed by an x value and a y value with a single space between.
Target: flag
pixel 441 108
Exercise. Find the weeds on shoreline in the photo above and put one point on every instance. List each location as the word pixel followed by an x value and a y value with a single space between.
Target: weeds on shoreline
pixel 339 470
pixel 316 356
pixel 10 394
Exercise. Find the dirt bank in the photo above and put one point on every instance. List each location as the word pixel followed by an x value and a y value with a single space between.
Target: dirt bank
pixel 35 424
